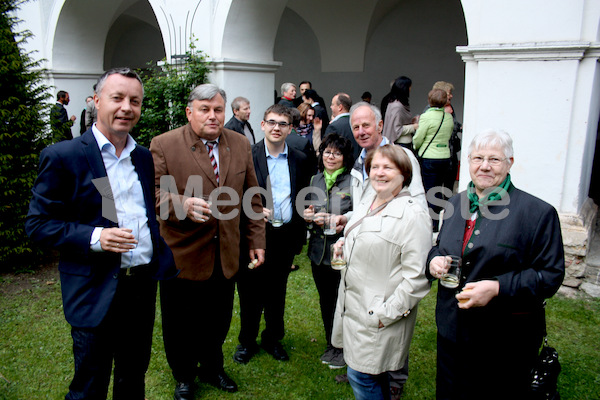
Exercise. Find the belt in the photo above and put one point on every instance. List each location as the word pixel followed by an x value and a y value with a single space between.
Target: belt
pixel 135 270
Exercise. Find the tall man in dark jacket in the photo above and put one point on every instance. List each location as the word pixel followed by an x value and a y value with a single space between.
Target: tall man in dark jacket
pixel 340 124
pixel 59 119
pixel 239 122
pixel 84 190
pixel 283 172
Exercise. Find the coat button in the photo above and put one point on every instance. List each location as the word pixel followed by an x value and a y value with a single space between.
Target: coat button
pixel 477 232
pixel 193 148
pixel 116 276
pixel 470 245
pixel 370 312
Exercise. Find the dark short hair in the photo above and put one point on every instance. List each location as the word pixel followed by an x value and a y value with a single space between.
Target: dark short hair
pixel 295 116
pixel 339 143
pixel 124 71
pixel 279 110
pixel 437 98
pixel 344 100
pixel 366 95
pixel 398 156
pixel 61 94
pixel 303 82
pixel 311 94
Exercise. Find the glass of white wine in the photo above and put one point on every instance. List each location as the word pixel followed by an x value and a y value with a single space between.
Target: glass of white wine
pixel 451 278
pixel 337 257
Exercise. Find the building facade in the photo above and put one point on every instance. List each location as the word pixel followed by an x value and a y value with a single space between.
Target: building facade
pixel 529 68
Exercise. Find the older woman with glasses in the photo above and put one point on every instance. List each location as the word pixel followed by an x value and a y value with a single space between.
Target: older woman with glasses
pixel 490 327
pixel 333 183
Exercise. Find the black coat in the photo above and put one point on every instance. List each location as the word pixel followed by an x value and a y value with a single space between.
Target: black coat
pixel 522 250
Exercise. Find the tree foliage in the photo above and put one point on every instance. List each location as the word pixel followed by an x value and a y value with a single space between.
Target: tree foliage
pixel 23 133
pixel 166 89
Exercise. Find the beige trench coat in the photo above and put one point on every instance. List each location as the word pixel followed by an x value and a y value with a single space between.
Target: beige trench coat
pixel 384 281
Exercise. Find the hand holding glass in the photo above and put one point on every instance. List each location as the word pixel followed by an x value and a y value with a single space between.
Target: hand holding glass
pixel 329 227
pixel 451 278
pixel 337 256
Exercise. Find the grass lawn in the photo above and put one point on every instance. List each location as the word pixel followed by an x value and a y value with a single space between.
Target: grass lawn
pixel 36 360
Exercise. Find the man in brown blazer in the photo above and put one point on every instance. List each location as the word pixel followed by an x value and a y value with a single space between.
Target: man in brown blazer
pixel 203 158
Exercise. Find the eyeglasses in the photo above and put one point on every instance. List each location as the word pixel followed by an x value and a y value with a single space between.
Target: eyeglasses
pixel 478 160
pixel 328 153
pixel 282 125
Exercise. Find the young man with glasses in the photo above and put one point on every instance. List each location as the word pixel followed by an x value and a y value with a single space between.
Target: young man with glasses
pixel 283 171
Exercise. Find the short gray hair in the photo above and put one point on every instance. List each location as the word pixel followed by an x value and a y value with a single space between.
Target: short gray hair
pixel 493 138
pixel 373 108
pixel 286 86
pixel 237 103
pixel 206 91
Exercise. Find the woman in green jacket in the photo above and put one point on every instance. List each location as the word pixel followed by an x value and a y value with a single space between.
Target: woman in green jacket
pixel 431 144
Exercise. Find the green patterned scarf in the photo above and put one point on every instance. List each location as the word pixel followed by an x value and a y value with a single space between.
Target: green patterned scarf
pixel 496 194
pixel 330 179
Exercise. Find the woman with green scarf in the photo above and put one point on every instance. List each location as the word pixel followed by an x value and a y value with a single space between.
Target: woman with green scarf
pixel 491 326
pixel 331 191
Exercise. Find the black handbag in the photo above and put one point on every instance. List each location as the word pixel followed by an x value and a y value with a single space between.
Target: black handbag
pixel 544 374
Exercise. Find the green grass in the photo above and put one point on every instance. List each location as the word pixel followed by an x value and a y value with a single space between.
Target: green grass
pixel 36 360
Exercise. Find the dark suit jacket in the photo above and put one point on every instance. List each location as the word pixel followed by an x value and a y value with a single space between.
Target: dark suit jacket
pixel 342 127
pixel 299 179
pixel 236 125
pixel 61 124
pixel 523 251
pixel 65 209
pixel 305 146
pixel 180 153
pixel 321 112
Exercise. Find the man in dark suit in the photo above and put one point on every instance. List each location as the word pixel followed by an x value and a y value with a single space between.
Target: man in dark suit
pixel 59 119
pixel 239 122
pixel 283 172
pixel 340 124
pixel 311 97
pixel 108 270
pixel 203 158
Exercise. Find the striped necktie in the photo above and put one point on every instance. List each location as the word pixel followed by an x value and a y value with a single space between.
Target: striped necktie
pixel 213 160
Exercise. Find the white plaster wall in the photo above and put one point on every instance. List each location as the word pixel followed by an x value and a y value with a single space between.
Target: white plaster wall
pixel 518 21
pixel 535 75
pixel 532 102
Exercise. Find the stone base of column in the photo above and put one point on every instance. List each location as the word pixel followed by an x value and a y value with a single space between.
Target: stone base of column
pixel 581 239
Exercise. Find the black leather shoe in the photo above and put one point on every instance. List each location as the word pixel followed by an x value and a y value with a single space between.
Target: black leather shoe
pixel 183 391
pixel 221 380
pixel 276 350
pixel 243 354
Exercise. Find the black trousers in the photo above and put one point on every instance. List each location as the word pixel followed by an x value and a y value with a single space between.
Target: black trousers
pixel 264 289
pixel 327 281
pixel 491 368
pixel 124 336
pixel 196 316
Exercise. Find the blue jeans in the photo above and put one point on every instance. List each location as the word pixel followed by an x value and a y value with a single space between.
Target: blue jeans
pixel 369 387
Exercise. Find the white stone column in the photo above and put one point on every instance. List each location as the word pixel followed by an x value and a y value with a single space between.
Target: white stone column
pixel 251 79
pixel 547 97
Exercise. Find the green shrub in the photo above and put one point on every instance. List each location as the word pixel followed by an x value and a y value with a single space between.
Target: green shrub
pixel 23 133
pixel 166 89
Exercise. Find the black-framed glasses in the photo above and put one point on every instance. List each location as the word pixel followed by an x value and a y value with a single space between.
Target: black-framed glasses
pixel 282 125
pixel 328 153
